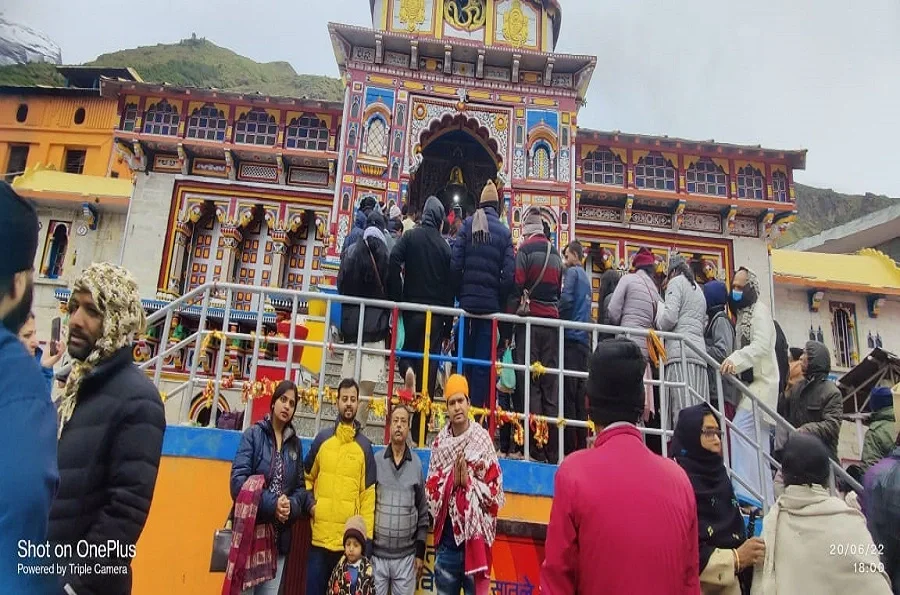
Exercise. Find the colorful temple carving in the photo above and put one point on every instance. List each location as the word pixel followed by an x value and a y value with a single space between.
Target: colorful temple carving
pixel 440 96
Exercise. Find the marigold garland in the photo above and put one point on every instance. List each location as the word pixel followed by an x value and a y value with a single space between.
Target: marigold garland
pixel 538 369
pixel 212 336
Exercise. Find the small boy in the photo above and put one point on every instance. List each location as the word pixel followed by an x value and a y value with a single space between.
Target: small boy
pixel 353 574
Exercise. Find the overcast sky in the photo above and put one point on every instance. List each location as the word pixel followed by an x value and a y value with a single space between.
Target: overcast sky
pixel 817 74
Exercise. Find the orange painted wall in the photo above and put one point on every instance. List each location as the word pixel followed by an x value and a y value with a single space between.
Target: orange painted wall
pixel 50 128
pixel 191 501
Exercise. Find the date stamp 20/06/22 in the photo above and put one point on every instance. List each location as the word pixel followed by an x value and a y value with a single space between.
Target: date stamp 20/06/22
pixel 855 549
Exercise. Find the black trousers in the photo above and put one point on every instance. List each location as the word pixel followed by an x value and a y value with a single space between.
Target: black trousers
pixel 414 341
pixel 575 359
pixel 544 393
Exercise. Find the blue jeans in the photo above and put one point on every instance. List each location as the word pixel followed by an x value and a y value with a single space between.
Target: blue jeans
pixel 269 587
pixel 319 566
pixel 478 343
pixel 450 572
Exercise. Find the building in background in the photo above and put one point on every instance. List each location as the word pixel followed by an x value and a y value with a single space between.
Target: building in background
pixel 879 230
pixel 56 148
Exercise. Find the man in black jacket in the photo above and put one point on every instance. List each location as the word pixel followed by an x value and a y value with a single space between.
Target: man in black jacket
pixel 110 436
pixel 815 405
pixel 424 258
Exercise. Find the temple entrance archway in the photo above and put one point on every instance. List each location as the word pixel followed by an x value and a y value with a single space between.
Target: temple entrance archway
pixel 456 162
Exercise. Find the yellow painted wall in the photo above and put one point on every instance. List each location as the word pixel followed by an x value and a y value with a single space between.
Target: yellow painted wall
pixel 192 500
pixel 50 128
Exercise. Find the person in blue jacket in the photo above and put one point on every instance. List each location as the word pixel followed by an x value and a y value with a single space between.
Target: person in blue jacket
pixel 28 337
pixel 272 448
pixel 483 262
pixel 28 478
pixel 575 305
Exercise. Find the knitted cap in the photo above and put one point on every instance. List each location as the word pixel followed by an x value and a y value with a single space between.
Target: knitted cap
pixel 489 194
pixel 355 528
pixel 394 212
pixel 880 397
pixel 643 258
pixel 456 384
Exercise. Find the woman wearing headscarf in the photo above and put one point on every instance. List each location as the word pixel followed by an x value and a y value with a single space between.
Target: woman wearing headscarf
pixel 683 312
pixel 270 450
pixel 815 543
pixel 726 555
pixel 633 305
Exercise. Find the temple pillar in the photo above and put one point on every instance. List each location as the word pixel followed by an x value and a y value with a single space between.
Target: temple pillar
pixel 232 238
pixel 279 253
pixel 179 255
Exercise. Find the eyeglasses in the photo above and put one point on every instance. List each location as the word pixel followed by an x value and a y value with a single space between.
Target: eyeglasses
pixel 711 433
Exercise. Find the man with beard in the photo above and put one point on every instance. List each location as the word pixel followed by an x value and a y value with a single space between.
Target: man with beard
pixel 754 362
pixel 28 478
pixel 111 425
pixel 340 473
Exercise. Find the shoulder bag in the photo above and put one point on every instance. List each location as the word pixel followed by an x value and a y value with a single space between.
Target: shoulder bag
pixel 524 308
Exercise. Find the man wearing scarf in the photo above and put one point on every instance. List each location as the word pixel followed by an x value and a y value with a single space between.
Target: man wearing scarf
pixel 754 362
pixel 464 490
pixel 483 262
pixel 111 424
pixel 28 474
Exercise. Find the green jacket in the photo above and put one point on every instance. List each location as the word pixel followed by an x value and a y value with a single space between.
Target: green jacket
pixel 880 438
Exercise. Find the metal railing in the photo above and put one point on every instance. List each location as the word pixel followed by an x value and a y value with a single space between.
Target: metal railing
pixel 210 295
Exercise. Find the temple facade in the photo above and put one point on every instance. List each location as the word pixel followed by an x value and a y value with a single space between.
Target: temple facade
pixel 440 96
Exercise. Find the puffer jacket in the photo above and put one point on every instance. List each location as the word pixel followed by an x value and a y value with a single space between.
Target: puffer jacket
pixel 633 304
pixel 485 271
pixel 683 312
pixel 880 437
pixel 815 405
pixel 359 278
pixel 340 473
pixel 426 258
pixel 109 454
pixel 255 456
pixel 356 234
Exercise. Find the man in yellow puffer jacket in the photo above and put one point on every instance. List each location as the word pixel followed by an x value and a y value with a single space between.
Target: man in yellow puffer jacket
pixel 340 473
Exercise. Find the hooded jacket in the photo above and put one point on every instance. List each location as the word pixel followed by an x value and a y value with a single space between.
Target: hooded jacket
pixel 363 273
pixel 29 473
pixel 340 473
pixel 683 312
pixel 255 456
pixel 880 437
pixel 815 405
pixel 356 234
pixel 486 270
pixel 426 258
pixel 109 455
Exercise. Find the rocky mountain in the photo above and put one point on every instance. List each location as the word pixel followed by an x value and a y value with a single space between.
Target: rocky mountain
pixel 22 45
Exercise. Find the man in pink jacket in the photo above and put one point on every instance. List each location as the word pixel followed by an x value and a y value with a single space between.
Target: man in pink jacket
pixel 624 520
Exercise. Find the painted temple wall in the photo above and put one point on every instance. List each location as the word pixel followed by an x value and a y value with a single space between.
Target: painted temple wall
pixel 100 245
pixel 793 314
pixel 145 238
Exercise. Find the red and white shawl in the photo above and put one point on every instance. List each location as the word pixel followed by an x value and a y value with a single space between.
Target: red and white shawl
pixel 472 510
pixel 252 559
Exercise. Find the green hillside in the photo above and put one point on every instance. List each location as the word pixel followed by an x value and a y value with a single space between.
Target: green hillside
pixel 26 75
pixel 819 209
pixel 201 63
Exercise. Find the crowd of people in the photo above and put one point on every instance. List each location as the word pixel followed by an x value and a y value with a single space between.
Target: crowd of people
pixel 93 456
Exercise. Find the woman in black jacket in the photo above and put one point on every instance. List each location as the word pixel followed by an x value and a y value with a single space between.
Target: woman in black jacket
pixel 272 448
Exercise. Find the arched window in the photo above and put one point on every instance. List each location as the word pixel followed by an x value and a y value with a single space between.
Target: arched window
pixel 540 163
pixel 779 186
pixel 348 165
pixel 354 109
pixel 395 171
pixel 351 136
pixel 129 118
pixel 398 141
pixel 161 118
pixel 345 202
pixel 844 334
pixel 654 172
pixel 55 250
pixel 79 116
pixel 207 123
pixel 376 141
pixel 750 183
pixel 705 177
pixel 564 218
pixel 603 167
pixel 307 132
pixel 256 127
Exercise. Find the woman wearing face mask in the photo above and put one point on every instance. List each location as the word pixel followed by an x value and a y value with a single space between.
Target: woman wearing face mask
pixel 28 337
pixel 726 555
pixel 270 449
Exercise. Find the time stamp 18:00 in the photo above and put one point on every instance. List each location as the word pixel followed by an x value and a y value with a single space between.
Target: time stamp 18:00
pixel 860 549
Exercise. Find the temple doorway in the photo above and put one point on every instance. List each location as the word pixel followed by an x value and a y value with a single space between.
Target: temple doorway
pixel 455 168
